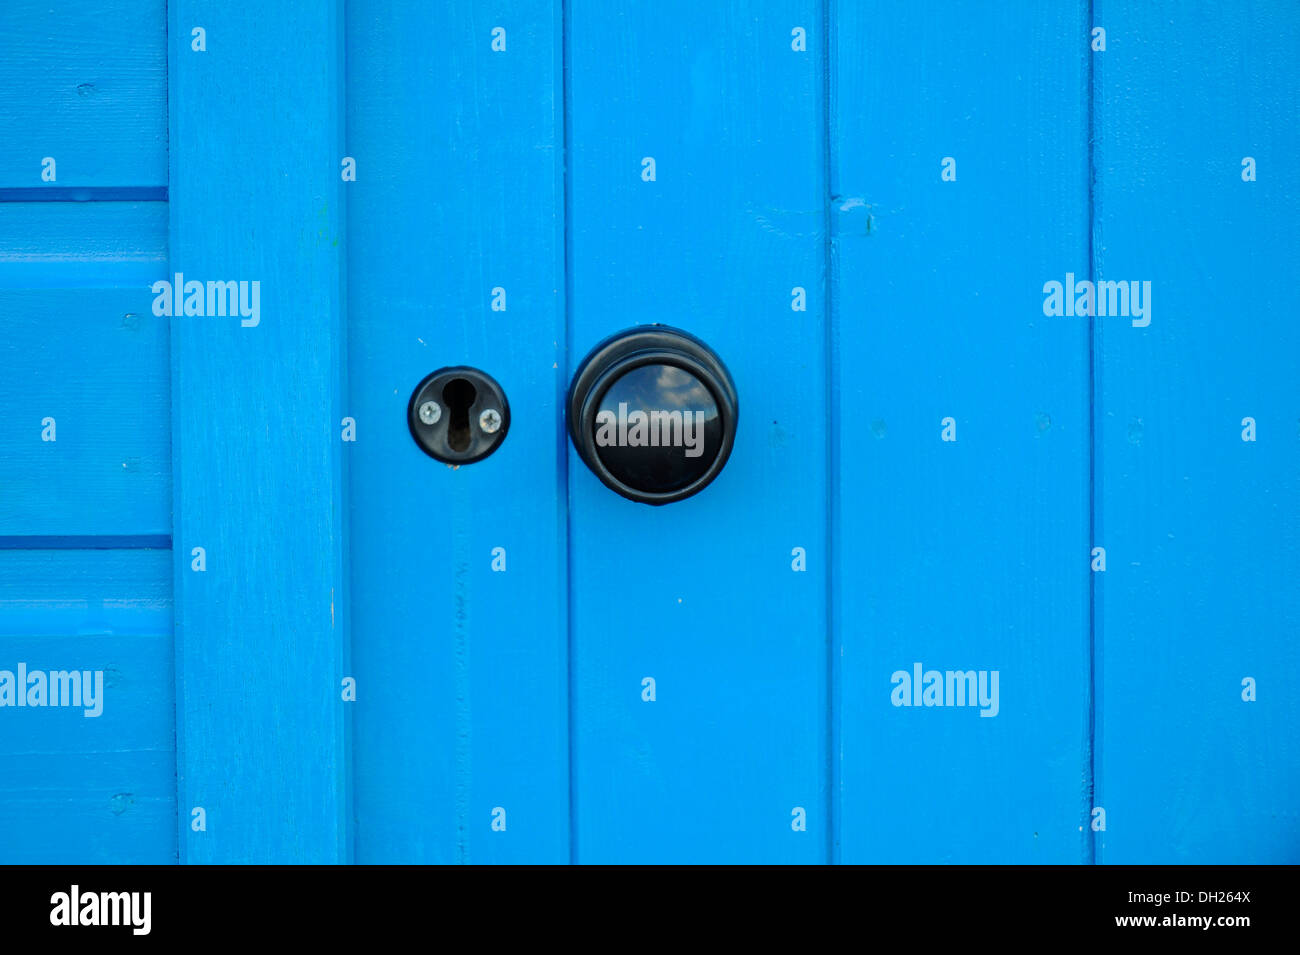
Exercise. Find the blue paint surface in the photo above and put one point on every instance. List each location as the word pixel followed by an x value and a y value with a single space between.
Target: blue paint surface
pixel 1202 528
pixel 258 473
pixel 98 789
pixel 95 360
pixel 462 692
pixel 85 433
pixel 545 671
pixel 84 83
pixel 967 554
pixel 700 595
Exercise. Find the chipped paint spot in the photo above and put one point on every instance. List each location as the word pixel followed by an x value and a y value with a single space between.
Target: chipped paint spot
pixel 120 803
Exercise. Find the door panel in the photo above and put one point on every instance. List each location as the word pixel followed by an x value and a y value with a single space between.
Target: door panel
pixel 1199 436
pixel 320 644
pixel 94 781
pixel 963 430
pixel 84 83
pixel 87 703
pixel 461 715
pixel 107 473
pixel 258 471
pixel 701 595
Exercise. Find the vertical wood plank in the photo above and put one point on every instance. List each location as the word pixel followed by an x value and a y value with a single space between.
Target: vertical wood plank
pixel 1201 527
pixel 457 133
pixel 728 763
pixel 255 138
pixel 969 554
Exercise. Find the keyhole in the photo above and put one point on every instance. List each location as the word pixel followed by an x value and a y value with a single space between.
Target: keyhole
pixel 458 396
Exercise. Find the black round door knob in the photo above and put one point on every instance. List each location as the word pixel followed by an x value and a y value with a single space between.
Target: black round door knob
pixel 652 411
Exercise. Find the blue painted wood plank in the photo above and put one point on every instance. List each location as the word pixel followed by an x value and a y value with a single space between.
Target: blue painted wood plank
pixel 86 427
pixel 701 595
pixel 1201 527
pixel 261 631
pixel 972 554
pixel 83 83
pixel 100 815
pixel 462 695
pixel 128 580
pixel 82 244
pixel 77 788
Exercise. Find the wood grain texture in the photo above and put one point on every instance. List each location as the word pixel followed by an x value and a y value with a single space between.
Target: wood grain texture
pixel 65 245
pixel 101 789
pixel 700 595
pixel 84 82
pixel 462 678
pixel 971 554
pixel 261 635
pixel 775 168
pixel 95 361
pixel 1202 529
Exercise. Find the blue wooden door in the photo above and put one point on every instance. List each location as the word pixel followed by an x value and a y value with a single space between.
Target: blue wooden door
pixel 1000 568
pixel 88 774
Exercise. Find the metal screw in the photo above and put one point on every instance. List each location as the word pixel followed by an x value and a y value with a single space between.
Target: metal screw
pixel 430 412
pixel 490 420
